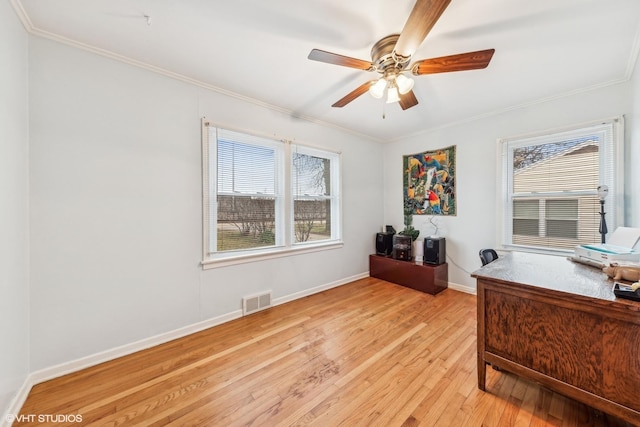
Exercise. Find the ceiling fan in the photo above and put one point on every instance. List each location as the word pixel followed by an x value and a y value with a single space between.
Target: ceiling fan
pixel 391 57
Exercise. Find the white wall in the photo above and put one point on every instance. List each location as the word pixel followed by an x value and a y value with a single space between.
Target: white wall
pixel 116 205
pixel 632 174
pixel 474 227
pixel 14 145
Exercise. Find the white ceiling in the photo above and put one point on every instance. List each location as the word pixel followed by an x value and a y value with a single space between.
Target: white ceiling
pixel 258 49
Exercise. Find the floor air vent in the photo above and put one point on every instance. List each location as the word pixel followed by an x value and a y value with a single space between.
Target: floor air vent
pixel 255 303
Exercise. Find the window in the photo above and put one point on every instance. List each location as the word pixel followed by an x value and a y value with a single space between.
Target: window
pixel 264 198
pixel 315 202
pixel 248 189
pixel 549 186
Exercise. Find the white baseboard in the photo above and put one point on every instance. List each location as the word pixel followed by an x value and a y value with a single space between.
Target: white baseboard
pixel 56 371
pixel 17 402
pixel 114 353
pixel 317 289
pixel 124 350
pixel 463 288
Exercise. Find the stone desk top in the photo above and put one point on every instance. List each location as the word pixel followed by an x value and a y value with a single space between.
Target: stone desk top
pixel 555 273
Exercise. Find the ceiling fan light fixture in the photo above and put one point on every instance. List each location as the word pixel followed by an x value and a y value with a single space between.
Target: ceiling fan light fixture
pixel 391 57
pixel 377 89
pixel 404 83
pixel 392 94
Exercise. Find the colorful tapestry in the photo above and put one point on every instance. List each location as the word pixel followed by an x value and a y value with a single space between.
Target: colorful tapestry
pixel 429 182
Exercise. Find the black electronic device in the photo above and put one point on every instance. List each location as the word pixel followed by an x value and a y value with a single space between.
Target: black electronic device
pixel 626 292
pixel 435 250
pixel 384 244
pixel 402 247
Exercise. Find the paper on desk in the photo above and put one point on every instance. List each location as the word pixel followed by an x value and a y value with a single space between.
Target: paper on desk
pixel 621 286
pixel 627 237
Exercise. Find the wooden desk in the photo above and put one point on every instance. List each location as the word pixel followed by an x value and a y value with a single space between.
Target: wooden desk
pixel 558 323
pixel 428 278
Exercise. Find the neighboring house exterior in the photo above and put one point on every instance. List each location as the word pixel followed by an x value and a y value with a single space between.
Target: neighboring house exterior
pixel 553 209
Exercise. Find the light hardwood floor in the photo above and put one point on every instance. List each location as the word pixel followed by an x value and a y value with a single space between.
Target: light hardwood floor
pixel 367 353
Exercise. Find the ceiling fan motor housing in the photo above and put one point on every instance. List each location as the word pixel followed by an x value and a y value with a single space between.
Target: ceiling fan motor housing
pixel 391 55
pixel 382 55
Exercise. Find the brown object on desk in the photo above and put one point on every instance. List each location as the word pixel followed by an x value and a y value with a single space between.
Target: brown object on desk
pixel 428 278
pixel 622 272
pixel 558 323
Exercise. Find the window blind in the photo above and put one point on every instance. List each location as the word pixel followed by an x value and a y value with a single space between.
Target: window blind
pixel 551 183
pixel 245 206
pixel 264 197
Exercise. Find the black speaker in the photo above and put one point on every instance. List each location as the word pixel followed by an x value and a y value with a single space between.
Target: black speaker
pixel 435 250
pixel 384 244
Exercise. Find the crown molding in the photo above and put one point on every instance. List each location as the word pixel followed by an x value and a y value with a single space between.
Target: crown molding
pixel 513 108
pixel 28 25
pixel 22 15
pixel 631 64
pixel 633 58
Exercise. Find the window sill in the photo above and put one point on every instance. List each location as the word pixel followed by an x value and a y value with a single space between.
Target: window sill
pixel 533 250
pixel 273 254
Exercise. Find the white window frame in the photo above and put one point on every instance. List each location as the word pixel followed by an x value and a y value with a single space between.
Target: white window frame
pixel 334 192
pixel 284 245
pixel 611 130
pixel 279 193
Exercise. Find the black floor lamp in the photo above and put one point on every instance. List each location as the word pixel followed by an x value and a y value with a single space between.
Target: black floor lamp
pixel 603 190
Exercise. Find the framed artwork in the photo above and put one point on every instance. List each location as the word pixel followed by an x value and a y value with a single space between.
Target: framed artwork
pixel 429 182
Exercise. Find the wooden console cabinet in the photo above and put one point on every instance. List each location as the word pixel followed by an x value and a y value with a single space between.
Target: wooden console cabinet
pixel 422 277
pixel 559 324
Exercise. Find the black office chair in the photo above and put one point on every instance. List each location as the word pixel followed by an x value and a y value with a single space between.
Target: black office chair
pixel 487 256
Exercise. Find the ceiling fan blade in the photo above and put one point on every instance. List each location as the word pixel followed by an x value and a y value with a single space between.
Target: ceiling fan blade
pixel 354 94
pixel 460 62
pixel 408 100
pixel 345 61
pixel 423 17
